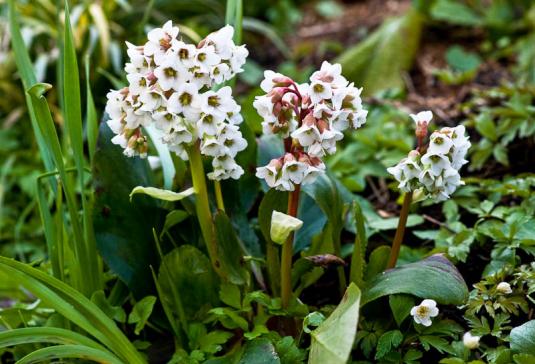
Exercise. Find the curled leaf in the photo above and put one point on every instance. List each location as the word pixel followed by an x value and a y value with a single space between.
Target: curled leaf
pixel 282 225
pixel 160 194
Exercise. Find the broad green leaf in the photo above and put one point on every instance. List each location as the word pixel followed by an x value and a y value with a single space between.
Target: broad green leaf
pixel 523 338
pixel 123 229
pixel 333 340
pixel 379 61
pixel 230 250
pixel 52 335
pixel 461 60
pixel 391 223
pixel 401 306
pixel 434 278
pixel 455 12
pixel 259 351
pixel 141 312
pixel 377 262
pixel 61 352
pixel 230 294
pixel 160 194
pixel 191 274
pixel 282 226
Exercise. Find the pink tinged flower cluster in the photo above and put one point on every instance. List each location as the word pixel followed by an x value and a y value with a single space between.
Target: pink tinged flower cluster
pixel 311 118
pixel 436 172
pixel 169 86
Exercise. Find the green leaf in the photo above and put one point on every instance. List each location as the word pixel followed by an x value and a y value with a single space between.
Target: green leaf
pixel 387 342
pixel 191 274
pixel 391 223
pixel 168 166
pixel 114 312
pixel 273 200
pixel 231 295
pixel 460 60
pixel 52 335
pixel 455 12
pixel 141 312
pixel 377 262
pixel 213 341
pixel 486 127
pixel 259 351
pixel 91 120
pixel 160 194
pixel 230 250
pixel 123 230
pixel 288 351
pixel 333 340
pixel 523 338
pixel 358 259
pixel 379 61
pixel 173 218
pixel 401 306
pixel 74 306
pixel 282 226
pixel 27 75
pixel 61 352
pixel 434 278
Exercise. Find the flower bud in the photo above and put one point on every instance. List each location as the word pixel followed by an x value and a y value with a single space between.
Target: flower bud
pixel 282 81
pixel 504 287
pixel 470 341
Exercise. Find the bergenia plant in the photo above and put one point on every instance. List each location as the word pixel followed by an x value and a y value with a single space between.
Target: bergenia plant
pixel 170 86
pixel 429 171
pixel 310 118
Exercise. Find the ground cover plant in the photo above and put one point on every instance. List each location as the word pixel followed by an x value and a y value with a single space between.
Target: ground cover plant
pixel 267 182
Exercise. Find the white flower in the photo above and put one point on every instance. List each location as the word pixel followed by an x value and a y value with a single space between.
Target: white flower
pixel 319 91
pixel 436 162
pixel 330 73
pixel 504 287
pixel 171 74
pixel 422 117
pixel 268 83
pixel 137 83
pixel 312 173
pixel 185 100
pixel 293 170
pixel 150 100
pixel 220 73
pixel 440 143
pixel 239 56
pixel 206 57
pixel 270 172
pixel 161 41
pixel 218 103
pixel 222 41
pixel 470 341
pixel 424 311
pixel 307 134
pixel 186 53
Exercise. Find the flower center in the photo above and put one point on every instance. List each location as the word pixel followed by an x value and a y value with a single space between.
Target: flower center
pixel 169 72
pixel 213 101
pixel 185 99
pixel 318 88
pixel 422 311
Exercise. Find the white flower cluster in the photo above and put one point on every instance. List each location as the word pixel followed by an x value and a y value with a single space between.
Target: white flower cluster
pixel 437 171
pixel 311 117
pixel 169 85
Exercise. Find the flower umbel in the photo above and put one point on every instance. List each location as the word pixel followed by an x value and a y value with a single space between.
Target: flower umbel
pixel 169 87
pixel 435 172
pixel 423 313
pixel 311 118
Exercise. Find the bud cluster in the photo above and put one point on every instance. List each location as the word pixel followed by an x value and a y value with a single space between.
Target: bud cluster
pixel 169 85
pixel 311 117
pixel 437 171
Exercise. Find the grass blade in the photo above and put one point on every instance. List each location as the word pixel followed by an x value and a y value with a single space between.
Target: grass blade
pixel 52 335
pixel 91 119
pixel 70 352
pixel 27 75
pixel 74 306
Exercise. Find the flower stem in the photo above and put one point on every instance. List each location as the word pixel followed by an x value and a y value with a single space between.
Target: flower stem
pixel 202 205
pixel 219 196
pixel 287 251
pixel 400 231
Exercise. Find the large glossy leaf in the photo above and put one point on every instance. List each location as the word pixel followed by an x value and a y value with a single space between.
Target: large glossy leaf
pixel 434 277
pixel 333 339
pixel 188 273
pixel 123 229
pixel 379 61
pixel 259 351
pixel 523 338
pixel 230 250
pixel 160 194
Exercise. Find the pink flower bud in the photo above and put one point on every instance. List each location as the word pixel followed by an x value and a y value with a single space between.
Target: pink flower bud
pixel 282 81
